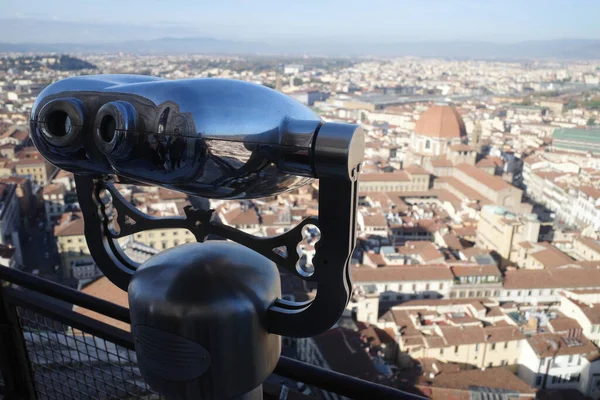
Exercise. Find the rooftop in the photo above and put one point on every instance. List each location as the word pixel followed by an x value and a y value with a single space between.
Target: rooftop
pixel 441 122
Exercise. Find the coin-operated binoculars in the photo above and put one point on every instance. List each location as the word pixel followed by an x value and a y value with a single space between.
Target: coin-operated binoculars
pixel 206 317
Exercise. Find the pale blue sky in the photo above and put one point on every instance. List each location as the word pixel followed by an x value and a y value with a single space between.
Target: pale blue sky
pixel 280 20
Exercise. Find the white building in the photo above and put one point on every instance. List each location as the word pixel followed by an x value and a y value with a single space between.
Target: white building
pixel 584 307
pixel 54 201
pixel 400 283
pixel 551 361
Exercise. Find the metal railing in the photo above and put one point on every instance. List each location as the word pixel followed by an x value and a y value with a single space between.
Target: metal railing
pixel 49 351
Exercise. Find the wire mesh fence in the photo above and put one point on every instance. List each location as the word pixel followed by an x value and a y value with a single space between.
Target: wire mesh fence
pixel 70 363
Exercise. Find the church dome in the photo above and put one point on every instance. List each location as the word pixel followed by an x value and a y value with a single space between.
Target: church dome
pixel 441 122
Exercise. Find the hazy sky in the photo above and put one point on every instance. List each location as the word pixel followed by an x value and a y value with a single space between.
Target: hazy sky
pixel 277 20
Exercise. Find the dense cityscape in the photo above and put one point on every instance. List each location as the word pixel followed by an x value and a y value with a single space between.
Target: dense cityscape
pixel 477 265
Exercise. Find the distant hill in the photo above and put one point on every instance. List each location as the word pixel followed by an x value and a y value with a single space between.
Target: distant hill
pixel 559 49
pixel 59 63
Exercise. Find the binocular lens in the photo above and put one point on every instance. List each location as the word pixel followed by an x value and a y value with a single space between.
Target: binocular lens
pixel 107 128
pixel 58 123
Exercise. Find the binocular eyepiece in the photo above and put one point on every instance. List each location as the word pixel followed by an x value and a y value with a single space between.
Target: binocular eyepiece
pixel 214 138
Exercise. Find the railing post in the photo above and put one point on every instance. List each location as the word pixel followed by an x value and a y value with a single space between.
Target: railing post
pixel 14 360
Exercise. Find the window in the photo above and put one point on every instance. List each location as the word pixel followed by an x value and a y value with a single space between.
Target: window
pixel 428 144
pixel 538 380
pixel 503 363
pixel 477 347
pixel 441 352
pixel 506 345
pixel 441 286
pixel 554 379
pixel 570 359
pixel 427 286
pixel 493 346
pixel 455 349
pixel 490 365
pixel 529 293
pixel 163 234
pixel 399 288
pixel 414 287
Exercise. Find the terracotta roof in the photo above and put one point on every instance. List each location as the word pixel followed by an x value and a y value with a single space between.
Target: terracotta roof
pixel 429 253
pixel 550 256
pixel 452 241
pixel 483 270
pixel 494 312
pixel 165 194
pixel 63 174
pixel 415 169
pixel 398 176
pixel 427 366
pixel 467 191
pixel 555 278
pixel 29 161
pixel 105 289
pixel 426 303
pixel 527 245
pixel 18 180
pixel 476 334
pixel 401 273
pixel 376 258
pixel 563 324
pixel 342 350
pixel 54 188
pixel 238 217
pixel 461 147
pixel 474 252
pixel 425 249
pixel 490 161
pixel 375 220
pixel 441 163
pixel 550 344
pixel 493 378
pixel 71 224
pixel 590 192
pixel 377 336
pixel 445 195
pixel 590 243
pixel 441 122
pixel 491 181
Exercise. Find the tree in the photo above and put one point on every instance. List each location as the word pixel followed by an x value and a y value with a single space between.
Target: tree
pixel 591 121
pixel 297 81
